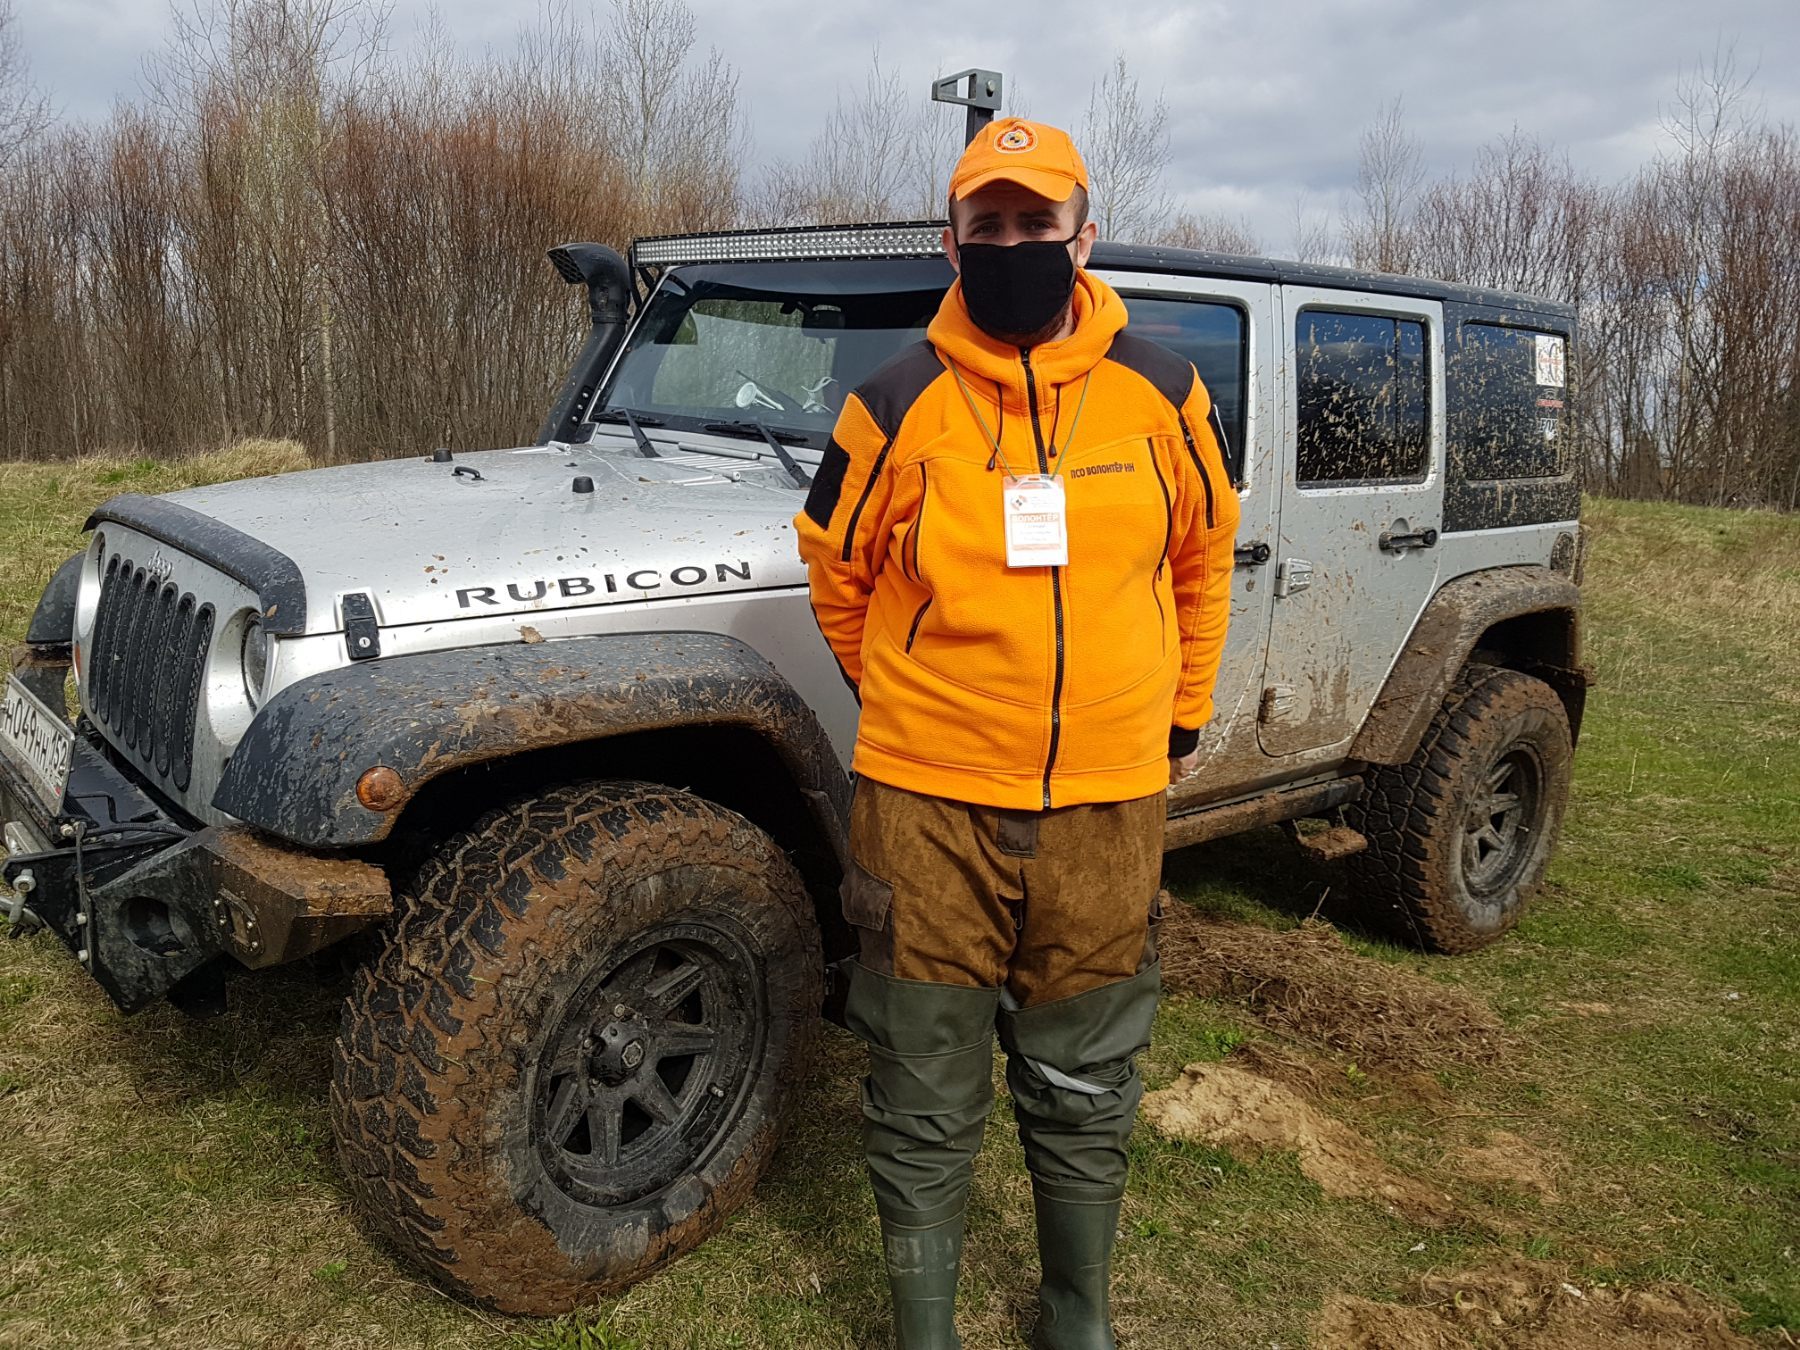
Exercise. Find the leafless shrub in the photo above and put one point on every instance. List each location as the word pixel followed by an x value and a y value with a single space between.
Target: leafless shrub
pixel 1389 170
pixel 1213 233
pixel 1125 143
pixel 297 237
pixel 883 154
pixel 24 110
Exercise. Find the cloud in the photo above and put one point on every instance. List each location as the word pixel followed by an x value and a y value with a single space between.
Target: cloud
pixel 1265 101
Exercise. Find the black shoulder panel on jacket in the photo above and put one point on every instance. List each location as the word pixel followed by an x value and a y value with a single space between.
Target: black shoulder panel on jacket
pixel 827 484
pixel 897 383
pixel 1172 375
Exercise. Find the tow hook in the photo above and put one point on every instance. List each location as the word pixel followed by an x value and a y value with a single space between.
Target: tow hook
pixel 20 921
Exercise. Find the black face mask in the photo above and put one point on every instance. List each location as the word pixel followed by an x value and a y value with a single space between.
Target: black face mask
pixel 1017 290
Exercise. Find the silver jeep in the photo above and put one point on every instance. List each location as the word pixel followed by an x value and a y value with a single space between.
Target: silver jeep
pixel 554 723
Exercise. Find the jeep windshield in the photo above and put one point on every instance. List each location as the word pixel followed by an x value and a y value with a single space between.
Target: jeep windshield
pixel 780 344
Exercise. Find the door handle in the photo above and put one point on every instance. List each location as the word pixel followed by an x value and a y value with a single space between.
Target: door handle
pixel 1399 543
pixel 1251 555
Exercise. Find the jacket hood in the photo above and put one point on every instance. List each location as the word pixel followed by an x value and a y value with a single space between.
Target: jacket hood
pixel 986 362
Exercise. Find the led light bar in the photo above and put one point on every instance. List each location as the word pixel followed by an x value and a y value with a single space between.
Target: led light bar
pixel 898 239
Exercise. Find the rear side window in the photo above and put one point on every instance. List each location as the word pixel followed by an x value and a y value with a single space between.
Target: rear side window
pixel 1363 398
pixel 1508 403
pixel 1214 336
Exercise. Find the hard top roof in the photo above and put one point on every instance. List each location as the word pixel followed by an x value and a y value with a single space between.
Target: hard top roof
pixel 917 239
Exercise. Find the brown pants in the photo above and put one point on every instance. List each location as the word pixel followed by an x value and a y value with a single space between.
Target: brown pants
pixel 1047 903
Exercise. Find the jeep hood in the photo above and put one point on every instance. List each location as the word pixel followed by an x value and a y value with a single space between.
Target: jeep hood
pixel 499 531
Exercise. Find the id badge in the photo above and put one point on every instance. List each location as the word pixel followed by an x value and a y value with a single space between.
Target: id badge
pixel 1037 521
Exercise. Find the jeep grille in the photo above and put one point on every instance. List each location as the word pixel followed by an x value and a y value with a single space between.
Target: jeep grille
pixel 147 667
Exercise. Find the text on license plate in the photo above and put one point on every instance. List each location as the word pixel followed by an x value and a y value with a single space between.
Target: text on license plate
pixel 37 741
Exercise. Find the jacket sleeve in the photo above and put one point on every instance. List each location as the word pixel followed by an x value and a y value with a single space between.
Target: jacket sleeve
pixel 843 532
pixel 1201 561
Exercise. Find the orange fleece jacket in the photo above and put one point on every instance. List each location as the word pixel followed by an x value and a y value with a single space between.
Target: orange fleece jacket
pixel 1040 686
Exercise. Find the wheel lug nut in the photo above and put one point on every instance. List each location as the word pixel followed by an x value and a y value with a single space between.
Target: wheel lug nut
pixel 620 1010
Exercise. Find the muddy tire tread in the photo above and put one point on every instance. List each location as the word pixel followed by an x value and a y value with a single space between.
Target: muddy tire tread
pixel 414 1024
pixel 1405 807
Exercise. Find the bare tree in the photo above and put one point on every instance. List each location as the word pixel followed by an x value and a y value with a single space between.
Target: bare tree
pixel 1212 233
pixel 1389 171
pixel 24 110
pixel 1314 240
pixel 883 153
pixel 1125 142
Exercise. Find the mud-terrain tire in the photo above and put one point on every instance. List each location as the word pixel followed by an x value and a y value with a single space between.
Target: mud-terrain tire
pixel 1460 836
pixel 492 1094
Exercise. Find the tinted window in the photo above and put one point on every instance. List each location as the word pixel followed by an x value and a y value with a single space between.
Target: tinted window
pixel 1213 336
pixel 1364 410
pixel 1508 403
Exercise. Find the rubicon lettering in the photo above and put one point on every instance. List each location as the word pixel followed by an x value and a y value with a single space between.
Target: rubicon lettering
pixel 640 581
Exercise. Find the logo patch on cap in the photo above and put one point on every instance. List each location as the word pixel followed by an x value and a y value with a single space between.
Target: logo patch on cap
pixel 1016 140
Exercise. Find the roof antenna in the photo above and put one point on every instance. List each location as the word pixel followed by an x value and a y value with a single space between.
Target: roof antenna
pixel 982 98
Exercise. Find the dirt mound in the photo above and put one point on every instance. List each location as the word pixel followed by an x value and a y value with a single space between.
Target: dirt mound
pixel 1305 983
pixel 1231 1108
pixel 1509 1160
pixel 1527 1305
pixel 1350 1323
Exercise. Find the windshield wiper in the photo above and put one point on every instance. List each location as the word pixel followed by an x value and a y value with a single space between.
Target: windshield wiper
pixel 637 422
pixel 751 431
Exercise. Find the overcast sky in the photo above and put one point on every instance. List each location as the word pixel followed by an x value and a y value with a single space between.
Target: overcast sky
pixel 1266 99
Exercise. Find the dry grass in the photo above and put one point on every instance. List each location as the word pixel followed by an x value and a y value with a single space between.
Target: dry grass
pixel 1309 987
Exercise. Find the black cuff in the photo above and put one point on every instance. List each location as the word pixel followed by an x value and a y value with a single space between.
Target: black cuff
pixel 1183 742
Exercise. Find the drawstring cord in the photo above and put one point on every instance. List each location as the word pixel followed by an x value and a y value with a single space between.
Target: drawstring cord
pixel 994 441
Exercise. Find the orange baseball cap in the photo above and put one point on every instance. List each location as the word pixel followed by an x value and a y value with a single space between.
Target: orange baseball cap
pixel 1039 158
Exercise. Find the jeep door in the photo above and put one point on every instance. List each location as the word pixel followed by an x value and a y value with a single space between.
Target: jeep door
pixel 1361 498
pixel 1227 329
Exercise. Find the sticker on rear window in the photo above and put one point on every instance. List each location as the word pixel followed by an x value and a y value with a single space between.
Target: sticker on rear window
pixel 1550 360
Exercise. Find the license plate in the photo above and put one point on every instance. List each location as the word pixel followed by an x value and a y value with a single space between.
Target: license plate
pixel 36 742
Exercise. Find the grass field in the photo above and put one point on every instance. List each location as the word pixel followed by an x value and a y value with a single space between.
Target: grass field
pixel 1589 1132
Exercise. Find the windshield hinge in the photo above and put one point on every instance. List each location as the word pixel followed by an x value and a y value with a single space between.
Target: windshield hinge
pixel 362 634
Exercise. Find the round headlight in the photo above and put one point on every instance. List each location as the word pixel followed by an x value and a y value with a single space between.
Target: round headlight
pixel 255 659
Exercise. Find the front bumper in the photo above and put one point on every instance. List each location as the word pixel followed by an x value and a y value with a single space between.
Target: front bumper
pixel 144 900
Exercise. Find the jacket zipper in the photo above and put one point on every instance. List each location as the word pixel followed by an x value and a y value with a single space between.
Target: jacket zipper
pixel 1199 466
pixel 1037 435
pixel 919 520
pixel 918 526
pixel 1168 530
pixel 913 632
pixel 863 500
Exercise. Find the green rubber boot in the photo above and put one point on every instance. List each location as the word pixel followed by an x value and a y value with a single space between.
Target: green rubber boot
pixel 925 1103
pixel 922 1265
pixel 1075 1243
pixel 1071 1067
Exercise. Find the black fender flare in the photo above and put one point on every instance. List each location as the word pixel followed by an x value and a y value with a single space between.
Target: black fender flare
pixel 1449 630
pixel 295 772
pixel 53 621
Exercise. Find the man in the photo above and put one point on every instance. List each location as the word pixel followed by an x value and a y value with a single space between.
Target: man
pixel 1019 545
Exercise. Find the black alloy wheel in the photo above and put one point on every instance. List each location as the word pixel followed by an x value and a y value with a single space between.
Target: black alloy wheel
pixel 648 1061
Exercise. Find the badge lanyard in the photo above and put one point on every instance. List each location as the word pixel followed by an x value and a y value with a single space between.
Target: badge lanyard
pixel 1034 508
